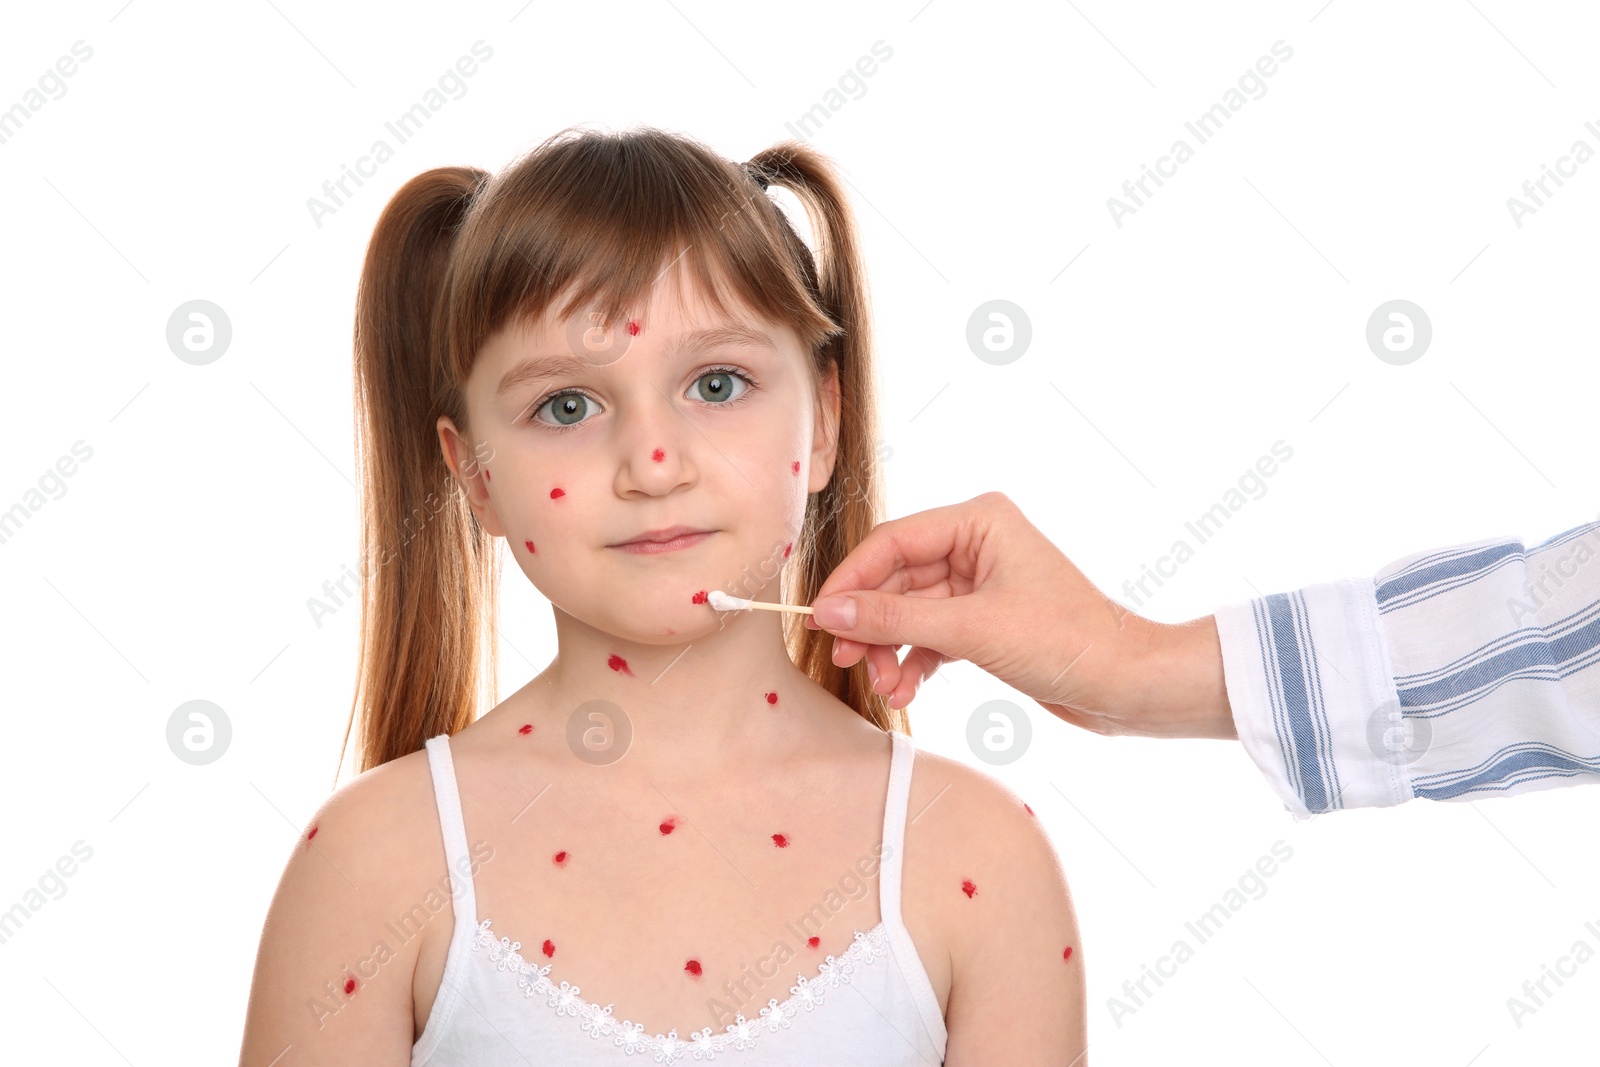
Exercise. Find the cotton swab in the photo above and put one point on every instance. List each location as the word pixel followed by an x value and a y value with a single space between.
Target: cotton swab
pixel 723 602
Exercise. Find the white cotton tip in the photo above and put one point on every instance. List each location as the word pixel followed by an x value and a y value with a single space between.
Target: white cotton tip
pixel 723 602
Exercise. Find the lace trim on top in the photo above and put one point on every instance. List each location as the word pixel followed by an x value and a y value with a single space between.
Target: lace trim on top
pixel 669 1048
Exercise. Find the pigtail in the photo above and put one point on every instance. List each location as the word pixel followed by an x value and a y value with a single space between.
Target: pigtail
pixel 839 516
pixel 429 572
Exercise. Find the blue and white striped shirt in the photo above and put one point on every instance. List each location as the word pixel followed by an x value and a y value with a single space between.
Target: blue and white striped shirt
pixel 1458 674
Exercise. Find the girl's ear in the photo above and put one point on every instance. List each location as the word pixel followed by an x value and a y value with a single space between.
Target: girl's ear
pixel 471 472
pixel 825 431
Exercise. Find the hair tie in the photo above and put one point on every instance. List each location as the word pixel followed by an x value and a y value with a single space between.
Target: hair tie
pixel 755 176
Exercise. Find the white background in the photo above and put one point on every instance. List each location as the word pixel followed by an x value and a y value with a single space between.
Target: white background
pixel 1229 312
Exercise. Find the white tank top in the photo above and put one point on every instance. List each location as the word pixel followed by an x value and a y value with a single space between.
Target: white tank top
pixel 873 1004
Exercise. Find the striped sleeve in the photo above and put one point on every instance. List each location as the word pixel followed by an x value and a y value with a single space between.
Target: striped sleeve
pixel 1459 674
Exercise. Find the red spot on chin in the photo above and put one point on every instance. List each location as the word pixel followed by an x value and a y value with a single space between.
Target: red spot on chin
pixel 312 834
pixel 693 967
pixel 813 942
pixel 772 698
pixel 781 840
pixel 669 824
pixel 633 329
pixel 617 663
pixel 795 466
pixel 349 986
pixel 557 494
pixel 1025 804
pixel 561 857
pixel 529 544
pixel 658 455
pixel 968 888
pixel 526 728
pixel 786 549
pixel 549 948
pixel 701 597
pixel 1067 955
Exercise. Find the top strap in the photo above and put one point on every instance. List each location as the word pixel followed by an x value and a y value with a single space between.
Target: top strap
pixel 894 827
pixel 464 902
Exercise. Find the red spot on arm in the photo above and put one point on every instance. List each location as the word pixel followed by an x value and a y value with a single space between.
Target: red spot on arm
pixel 813 942
pixel 693 967
pixel 349 985
pixel 312 834
pixel 1067 955
pixel 701 597
pixel 1025 804
pixel 549 948
pixel 968 887
pixel 617 663
pixel 557 494
pixel 529 544
pixel 781 840
pixel 658 455
pixel 525 729
pixel 633 328
pixel 669 824
pixel 561 858
pixel 772 698
pixel 795 466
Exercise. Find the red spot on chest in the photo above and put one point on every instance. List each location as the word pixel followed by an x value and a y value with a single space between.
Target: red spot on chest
pixel 693 967
pixel 557 494
pixel 968 887
pixel 549 948
pixel 701 597
pixel 617 663
pixel 1067 955
pixel 560 858
pixel 529 544
pixel 813 942
pixel 781 840
pixel 525 729
pixel 658 455
pixel 772 698
pixel 349 986
pixel 669 824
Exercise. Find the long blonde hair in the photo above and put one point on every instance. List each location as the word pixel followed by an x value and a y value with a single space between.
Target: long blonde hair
pixel 456 255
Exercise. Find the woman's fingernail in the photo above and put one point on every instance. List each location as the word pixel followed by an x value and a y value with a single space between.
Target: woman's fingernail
pixel 835 612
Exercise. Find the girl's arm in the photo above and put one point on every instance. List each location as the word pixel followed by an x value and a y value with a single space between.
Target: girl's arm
pixel 1016 995
pixel 322 994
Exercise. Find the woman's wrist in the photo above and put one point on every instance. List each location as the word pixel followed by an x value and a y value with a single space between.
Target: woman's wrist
pixel 1186 693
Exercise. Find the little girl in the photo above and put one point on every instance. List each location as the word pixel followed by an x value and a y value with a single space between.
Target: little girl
pixel 691 835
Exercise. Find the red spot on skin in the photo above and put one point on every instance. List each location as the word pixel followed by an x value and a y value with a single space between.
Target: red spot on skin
pixel 786 549
pixel 312 834
pixel 968 888
pixel 633 329
pixel 669 824
pixel 617 663
pixel 781 840
pixel 658 455
pixel 701 597
pixel 526 728
pixel 693 967
pixel 529 544
pixel 349 986
pixel 1067 955
pixel 486 475
pixel 557 494
pixel 561 858
pixel 795 466
pixel 813 942
pixel 1025 804
pixel 772 698
pixel 549 948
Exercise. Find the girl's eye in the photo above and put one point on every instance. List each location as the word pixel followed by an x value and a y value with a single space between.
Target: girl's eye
pixel 718 387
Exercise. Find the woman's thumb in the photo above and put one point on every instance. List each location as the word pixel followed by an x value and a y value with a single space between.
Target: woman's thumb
pixel 876 618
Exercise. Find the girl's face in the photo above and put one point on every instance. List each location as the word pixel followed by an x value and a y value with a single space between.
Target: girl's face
pixel 592 436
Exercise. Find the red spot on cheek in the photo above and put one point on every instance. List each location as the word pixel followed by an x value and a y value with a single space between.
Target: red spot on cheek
pixel 633 329
pixel 795 466
pixel 813 942
pixel 1025 804
pixel 560 858
pixel 526 728
pixel 617 663
pixel 772 698
pixel 701 597
pixel 529 544
pixel 349 986
pixel 968 888
pixel 669 824
pixel 1067 955
pixel 786 549
pixel 658 455
pixel 693 967
pixel 549 948
pixel 557 493
pixel 781 840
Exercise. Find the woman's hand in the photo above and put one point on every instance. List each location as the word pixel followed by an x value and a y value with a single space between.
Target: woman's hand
pixel 978 581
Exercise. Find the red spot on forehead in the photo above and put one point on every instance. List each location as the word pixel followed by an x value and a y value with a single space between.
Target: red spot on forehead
pixel 786 549
pixel 560 857
pixel 968 887
pixel 693 967
pixel 1067 955
pixel 617 663
pixel 549 948
pixel 669 824
pixel 658 455
pixel 557 493
pixel 525 729
pixel 349 986
pixel 781 840
pixel 529 544
pixel 633 329
pixel 813 942
pixel 701 597
pixel 772 698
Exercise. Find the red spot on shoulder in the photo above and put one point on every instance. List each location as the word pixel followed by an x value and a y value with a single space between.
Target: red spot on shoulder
pixel 529 544
pixel 560 857
pixel 312 834
pixel 349 985
pixel 968 887
pixel 658 455
pixel 633 328
pixel 617 663
pixel 693 967
pixel 781 840
pixel 795 466
pixel 1025 804
pixel 786 549
pixel 669 824
pixel 701 597
pixel 549 948
pixel 557 494
pixel 1067 955
pixel 525 729
pixel 813 942
pixel 772 698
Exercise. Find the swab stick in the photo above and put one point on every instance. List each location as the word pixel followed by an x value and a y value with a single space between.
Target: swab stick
pixel 723 602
